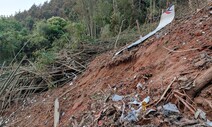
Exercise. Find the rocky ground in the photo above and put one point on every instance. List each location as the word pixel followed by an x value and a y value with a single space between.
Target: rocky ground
pixel 174 68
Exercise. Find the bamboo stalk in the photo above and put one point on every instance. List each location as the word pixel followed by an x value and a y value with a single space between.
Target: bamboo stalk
pixel 120 29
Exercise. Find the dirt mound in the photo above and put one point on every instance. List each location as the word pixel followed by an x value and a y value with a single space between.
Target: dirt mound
pixel 166 67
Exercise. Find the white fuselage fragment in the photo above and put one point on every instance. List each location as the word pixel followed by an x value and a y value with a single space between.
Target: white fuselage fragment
pixel 166 18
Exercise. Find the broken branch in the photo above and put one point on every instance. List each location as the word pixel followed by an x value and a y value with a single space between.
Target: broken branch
pixel 163 95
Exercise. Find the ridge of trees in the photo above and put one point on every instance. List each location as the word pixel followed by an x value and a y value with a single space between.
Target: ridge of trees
pixel 59 24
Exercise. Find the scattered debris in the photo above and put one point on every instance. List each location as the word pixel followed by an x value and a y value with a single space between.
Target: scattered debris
pixel 132 113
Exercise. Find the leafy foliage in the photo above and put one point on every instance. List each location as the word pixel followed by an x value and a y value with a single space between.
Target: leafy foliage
pixel 11 37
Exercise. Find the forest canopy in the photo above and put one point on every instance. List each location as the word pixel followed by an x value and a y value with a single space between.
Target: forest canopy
pixel 58 24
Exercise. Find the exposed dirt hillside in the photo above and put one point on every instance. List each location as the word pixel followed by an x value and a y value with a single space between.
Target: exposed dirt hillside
pixel 181 53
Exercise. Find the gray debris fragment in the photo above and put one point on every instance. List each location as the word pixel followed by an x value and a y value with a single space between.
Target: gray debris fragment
pixel 147 99
pixel 135 102
pixel 200 63
pixel 201 114
pixel 171 108
pixel 132 116
pixel 159 108
pixel 139 86
pixel 116 97
pixel 209 123
pixel 150 111
pixel 183 79
pixel 1 121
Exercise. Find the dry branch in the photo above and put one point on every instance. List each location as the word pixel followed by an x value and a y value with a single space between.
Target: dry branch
pixel 192 109
pixel 19 82
pixel 163 95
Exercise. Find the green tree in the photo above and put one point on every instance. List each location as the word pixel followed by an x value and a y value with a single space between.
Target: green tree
pixel 11 37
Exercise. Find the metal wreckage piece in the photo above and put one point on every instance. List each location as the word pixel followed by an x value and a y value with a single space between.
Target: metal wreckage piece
pixel 166 18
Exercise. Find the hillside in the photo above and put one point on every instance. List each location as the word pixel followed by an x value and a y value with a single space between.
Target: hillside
pixel 178 59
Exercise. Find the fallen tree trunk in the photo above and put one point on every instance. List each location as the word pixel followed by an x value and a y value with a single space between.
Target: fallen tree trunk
pixel 201 82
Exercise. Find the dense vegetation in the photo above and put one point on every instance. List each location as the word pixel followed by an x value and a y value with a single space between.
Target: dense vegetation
pixel 45 29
